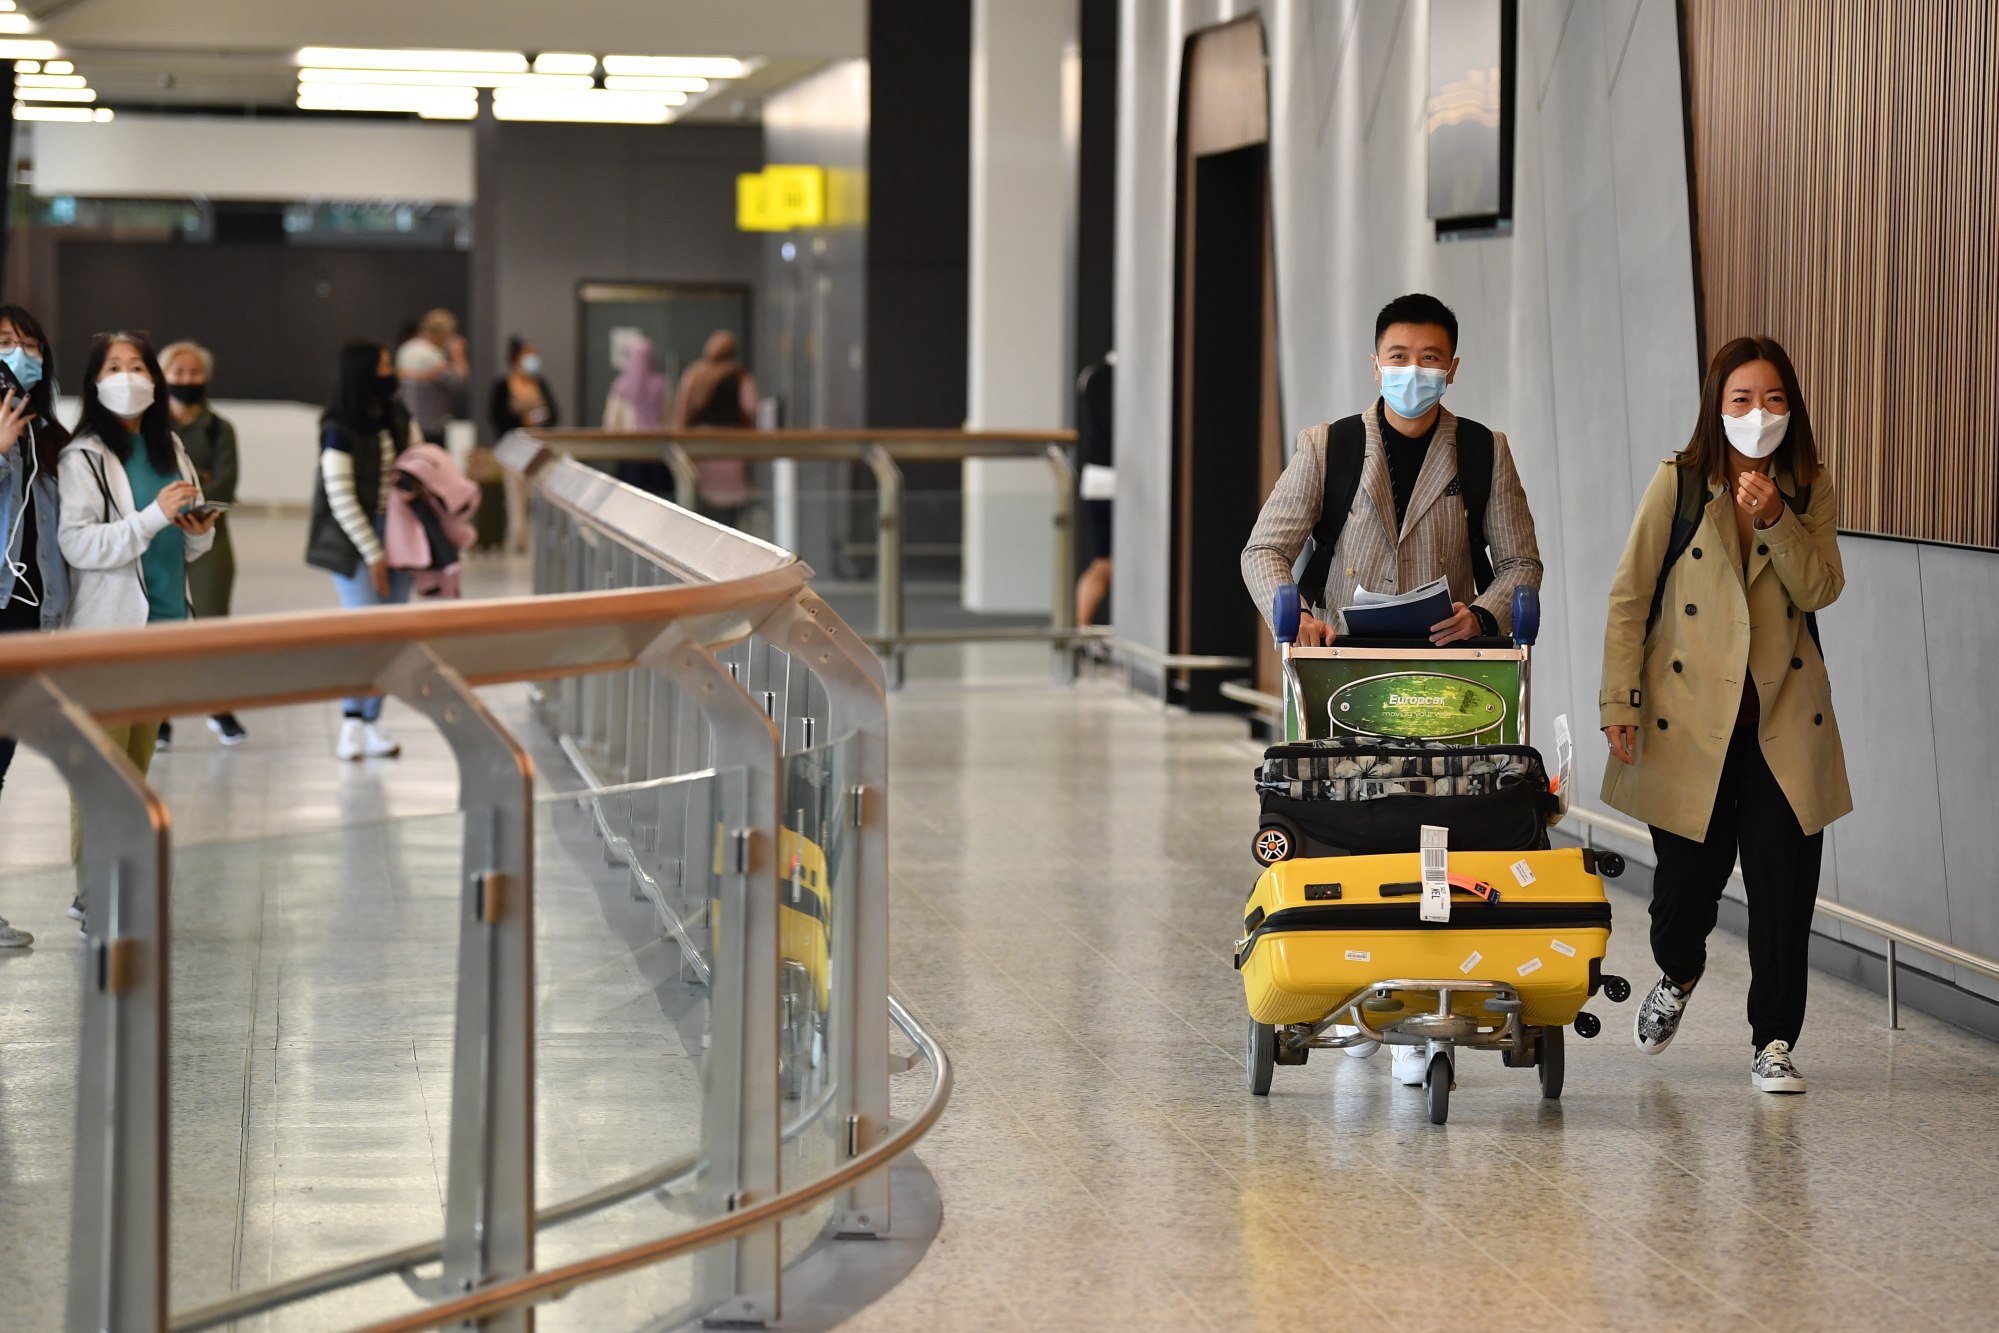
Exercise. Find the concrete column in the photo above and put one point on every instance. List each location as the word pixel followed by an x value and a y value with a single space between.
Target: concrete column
pixel 1025 112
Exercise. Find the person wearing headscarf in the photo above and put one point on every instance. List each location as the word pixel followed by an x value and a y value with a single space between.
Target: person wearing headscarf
pixel 717 392
pixel 637 404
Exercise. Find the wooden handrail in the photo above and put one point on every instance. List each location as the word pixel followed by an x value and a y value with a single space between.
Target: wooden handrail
pixel 898 435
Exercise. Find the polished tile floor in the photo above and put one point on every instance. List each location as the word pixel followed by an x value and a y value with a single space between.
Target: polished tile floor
pixel 1069 866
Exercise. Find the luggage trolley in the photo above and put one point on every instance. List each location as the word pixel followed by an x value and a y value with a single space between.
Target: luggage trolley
pixel 1383 738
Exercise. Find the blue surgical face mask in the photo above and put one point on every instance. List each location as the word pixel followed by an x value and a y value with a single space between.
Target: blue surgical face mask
pixel 1412 390
pixel 531 364
pixel 27 367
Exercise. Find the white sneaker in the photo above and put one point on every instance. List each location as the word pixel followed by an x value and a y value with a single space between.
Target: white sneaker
pixel 353 733
pixel 1409 1065
pixel 378 744
pixel 1360 1052
pixel 1773 1070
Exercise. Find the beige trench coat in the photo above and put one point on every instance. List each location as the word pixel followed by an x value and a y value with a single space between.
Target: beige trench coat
pixel 1682 686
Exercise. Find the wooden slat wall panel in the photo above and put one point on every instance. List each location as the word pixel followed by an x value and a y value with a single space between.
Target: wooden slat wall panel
pixel 1846 189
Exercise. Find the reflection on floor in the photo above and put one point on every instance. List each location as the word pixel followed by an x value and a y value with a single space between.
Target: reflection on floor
pixel 1069 865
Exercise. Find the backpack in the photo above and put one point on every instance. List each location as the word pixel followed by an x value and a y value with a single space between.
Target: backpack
pixel 1346 455
pixel 1690 498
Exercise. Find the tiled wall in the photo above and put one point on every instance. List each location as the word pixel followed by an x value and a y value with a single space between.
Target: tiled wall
pixel 1578 341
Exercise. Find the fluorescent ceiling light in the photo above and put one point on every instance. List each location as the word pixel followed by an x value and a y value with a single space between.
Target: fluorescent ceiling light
pixel 559 62
pixel 29 66
pixel 16 49
pixel 696 67
pixel 601 107
pixel 430 103
pixel 8 6
pixel 12 22
pixel 654 83
pixel 351 57
pixel 439 78
pixel 57 67
pixel 51 81
pixel 80 114
pixel 56 94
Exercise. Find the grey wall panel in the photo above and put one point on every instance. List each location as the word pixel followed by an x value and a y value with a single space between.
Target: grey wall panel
pixel 1958 592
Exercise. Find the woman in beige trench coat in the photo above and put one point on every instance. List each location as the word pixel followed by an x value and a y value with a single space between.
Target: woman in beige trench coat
pixel 1715 699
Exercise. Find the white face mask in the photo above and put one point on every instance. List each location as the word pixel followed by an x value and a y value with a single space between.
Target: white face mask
pixel 127 395
pixel 1756 433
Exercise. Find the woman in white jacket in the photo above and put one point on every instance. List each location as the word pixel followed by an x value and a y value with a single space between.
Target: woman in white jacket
pixel 130 517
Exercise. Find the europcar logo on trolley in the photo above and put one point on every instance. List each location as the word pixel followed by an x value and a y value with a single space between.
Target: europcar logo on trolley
pixel 1414 703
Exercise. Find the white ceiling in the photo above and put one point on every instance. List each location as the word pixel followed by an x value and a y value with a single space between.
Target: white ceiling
pixel 141 53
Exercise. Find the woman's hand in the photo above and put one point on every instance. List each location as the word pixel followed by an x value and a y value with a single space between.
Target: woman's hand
pixel 1758 494
pixel 1623 742
pixel 177 497
pixel 14 414
pixel 198 524
pixel 378 574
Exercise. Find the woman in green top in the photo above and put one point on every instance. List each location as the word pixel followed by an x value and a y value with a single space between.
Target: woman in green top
pixel 210 442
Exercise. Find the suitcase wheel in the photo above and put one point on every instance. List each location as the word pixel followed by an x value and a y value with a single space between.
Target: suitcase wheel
pixel 1550 1062
pixel 1272 843
pixel 1609 864
pixel 1437 1088
pixel 1616 989
pixel 1262 1057
pixel 1588 1025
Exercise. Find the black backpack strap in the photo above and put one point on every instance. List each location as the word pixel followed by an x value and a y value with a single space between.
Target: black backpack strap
pixel 1800 501
pixel 1687 503
pixel 1346 454
pixel 1475 451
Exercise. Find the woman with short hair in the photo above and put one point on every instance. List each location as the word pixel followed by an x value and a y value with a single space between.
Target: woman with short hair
pixel 1715 699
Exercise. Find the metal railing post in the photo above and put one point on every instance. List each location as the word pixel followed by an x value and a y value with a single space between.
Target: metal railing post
pixel 1894 997
pixel 1062 609
pixel 686 478
pixel 489 1190
pixel 118 1207
pixel 738 1282
pixel 857 705
pixel 888 558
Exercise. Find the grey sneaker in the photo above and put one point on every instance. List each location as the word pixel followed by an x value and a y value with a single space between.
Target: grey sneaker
pixel 1774 1071
pixel 1659 1016
pixel 11 938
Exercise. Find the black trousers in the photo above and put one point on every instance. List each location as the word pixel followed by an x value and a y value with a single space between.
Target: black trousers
pixel 1780 869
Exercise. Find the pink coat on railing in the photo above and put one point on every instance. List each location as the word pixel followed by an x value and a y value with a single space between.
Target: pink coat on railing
pixel 429 525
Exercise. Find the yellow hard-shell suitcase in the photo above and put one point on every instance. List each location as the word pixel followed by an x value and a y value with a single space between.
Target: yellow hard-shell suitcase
pixel 1317 931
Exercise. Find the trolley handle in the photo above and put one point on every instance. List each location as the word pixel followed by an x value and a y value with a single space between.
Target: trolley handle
pixel 1526 614
pixel 1285 610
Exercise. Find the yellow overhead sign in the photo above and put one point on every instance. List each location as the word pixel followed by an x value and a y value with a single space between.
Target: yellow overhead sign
pixel 779 198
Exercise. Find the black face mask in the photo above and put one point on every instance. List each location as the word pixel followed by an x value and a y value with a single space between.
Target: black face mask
pixel 386 386
pixel 187 394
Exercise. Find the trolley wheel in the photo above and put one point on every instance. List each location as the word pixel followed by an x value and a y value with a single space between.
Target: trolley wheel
pixel 1550 1062
pixel 1588 1025
pixel 1262 1057
pixel 1609 864
pixel 1272 843
pixel 1437 1088
pixel 1616 989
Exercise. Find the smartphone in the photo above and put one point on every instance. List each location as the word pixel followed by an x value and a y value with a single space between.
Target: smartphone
pixel 207 507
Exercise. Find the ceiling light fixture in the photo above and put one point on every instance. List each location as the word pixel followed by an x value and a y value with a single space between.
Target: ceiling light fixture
pixel 56 94
pixel 17 49
pixel 352 57
pixel 439 78
pixel 561 62
pixel 430 103
pixel 29 66
pixel 12 22
pixel 77 114
pixel 597 107
pixel 57 67
pixel 697 67
pixel 51 81
pixel 654 83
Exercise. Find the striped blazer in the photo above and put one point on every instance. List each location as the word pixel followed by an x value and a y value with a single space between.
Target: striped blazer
pixel 1372 553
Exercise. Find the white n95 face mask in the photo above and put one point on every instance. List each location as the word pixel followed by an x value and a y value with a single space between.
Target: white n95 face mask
pixel 1756 433
pixel 127 394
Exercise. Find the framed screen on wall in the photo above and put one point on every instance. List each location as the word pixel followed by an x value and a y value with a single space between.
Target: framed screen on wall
pixel 1468 115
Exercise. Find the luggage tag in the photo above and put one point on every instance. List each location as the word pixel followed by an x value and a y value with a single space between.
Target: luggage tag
pixel 1565 759
pixel 1436 874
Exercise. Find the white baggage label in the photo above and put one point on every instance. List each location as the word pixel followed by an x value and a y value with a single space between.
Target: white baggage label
pixel 1565 758
pixel 1468 964
pixel 1359 956
pixel 1565 950
pixel 1531 965
pixel 1523 874
pixel 1436 871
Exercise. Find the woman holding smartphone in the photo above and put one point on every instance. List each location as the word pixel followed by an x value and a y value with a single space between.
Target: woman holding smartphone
pixel 130 522
pixel 1715 699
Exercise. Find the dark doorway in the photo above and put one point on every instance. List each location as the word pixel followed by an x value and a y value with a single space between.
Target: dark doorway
pixel 1219 477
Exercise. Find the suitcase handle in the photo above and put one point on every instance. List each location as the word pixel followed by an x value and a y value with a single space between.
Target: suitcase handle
pixel 1472 888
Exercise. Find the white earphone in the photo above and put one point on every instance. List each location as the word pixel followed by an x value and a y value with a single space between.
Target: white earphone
pixel 17 572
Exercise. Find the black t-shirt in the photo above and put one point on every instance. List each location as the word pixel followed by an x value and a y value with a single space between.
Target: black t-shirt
pixel 1405 459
